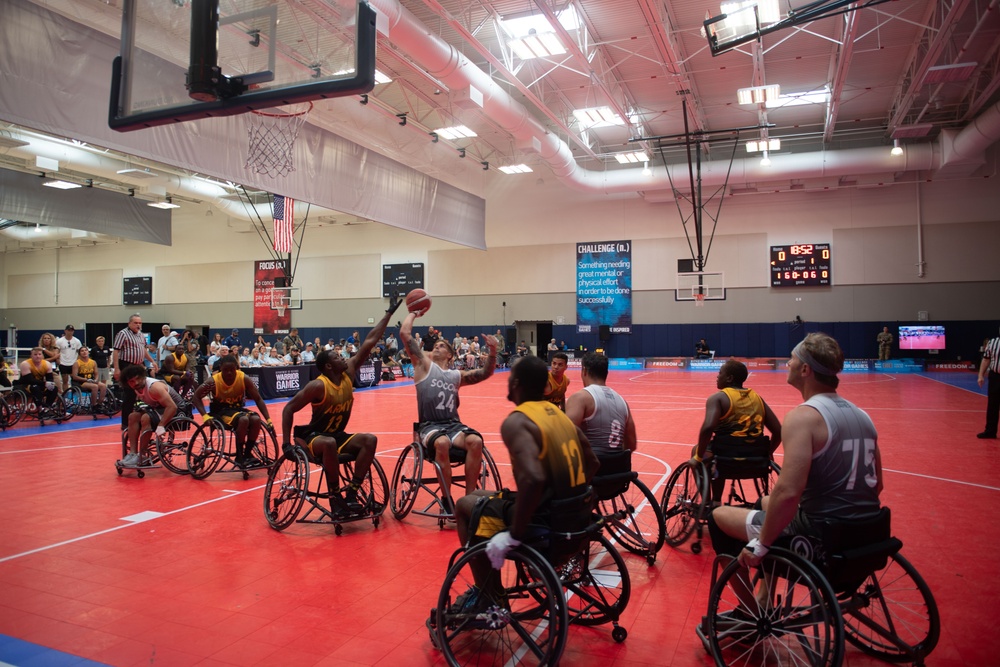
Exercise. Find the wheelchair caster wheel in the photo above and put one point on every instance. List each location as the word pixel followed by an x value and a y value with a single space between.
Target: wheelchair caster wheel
pixel 141 474
pixel 696 548
pixel 375 522
pixel 619 634
pixel 119 469
pixel 246 475
pixel 338 530
pixel 651 559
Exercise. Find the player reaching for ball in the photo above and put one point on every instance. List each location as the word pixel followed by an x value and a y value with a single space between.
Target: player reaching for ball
pixel 437 398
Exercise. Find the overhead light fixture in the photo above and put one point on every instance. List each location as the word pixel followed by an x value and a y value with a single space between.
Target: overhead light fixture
pixel 765 161
pixel 382 78
pixel 646 171
pixel 537 45
pixel 61 185
pixel 632 158
pixel 38 228
pixel 516 169
pixel 169 203
pixel 821 96
pixel 763 144
pixel 758 94
pixel 597 117
pixel 456 132
pixel 897 150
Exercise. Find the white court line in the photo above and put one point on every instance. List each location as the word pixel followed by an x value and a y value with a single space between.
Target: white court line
pixel 953 386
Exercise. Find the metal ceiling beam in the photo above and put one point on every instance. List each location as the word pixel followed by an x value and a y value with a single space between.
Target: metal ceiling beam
pixel 841 65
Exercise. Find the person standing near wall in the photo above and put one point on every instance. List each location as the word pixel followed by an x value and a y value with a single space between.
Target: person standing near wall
pixel 991 362
pixel 884 344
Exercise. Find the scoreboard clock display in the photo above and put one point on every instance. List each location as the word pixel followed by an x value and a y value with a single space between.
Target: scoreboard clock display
pixel 137 291
pixel 802 264
pixel 399 279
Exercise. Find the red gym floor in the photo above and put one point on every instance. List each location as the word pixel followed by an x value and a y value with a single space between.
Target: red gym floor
pixel 201 579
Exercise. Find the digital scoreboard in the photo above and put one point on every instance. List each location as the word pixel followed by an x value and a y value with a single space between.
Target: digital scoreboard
pixel 399 279
pixel 803 264
pixel 137 291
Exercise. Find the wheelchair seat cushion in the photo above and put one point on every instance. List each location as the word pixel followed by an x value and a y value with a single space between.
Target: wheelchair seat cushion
pixel 735 458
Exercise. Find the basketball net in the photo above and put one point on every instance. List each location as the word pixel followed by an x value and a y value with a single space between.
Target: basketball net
pixel 699 300
pixel 271 135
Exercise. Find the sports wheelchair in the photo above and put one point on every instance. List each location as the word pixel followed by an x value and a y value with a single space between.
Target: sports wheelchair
pixel 287 490
pixel 522 614
pixel 631 512
pixel 213 449
pixel 20 401
pixel 10 413
pixel 168 450
pixel 79 402
pixel 687 498
pixel 809 594
pixel 409 482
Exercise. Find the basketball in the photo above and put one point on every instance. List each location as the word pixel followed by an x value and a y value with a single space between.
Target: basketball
pixel 418 302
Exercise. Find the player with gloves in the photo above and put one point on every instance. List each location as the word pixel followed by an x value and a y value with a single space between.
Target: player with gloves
pixel 164 403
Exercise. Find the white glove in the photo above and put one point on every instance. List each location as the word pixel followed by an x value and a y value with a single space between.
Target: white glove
pixel 50 386
pixel 499 546
pixel 160 431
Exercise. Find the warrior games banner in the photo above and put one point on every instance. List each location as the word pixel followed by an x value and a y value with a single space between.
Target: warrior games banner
pixel 604 286
pixel 265 320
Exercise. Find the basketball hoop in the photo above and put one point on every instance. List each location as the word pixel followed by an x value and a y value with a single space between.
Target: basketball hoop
pixel 272 135
pixel 281 310
pixel 699 300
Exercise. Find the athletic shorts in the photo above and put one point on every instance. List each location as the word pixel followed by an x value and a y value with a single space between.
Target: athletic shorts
pixel 227 414
pixel 495 515
pixel 428 432
pixel 303 433
pixel 799 525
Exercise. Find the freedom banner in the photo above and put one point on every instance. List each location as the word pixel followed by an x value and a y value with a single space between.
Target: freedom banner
pixel 604 286
pixel 268 273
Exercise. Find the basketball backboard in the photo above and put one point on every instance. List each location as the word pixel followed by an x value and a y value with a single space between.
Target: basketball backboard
pixel 188 59
pixel 701 286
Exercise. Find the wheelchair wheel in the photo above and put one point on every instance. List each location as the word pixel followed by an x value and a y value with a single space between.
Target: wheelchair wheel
pixel 19 402
pixel 374 491
pixel 519 616
pixel 57 411
pixel 172 448
pixel 406 481
pixel 265 449
pixel 641 530
pixel 206 450
pixel 12 410
pixel 893 615
pixel 489 478
pixel 683 502
pixel 789 615
pixel 286 488
pixel 599 580
pixel 113 400
pixel 73 398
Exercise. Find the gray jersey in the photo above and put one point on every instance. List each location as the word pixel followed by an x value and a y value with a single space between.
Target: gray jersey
pixel 842 480
pixel 605 428
pixel 144 396
pixel 437 395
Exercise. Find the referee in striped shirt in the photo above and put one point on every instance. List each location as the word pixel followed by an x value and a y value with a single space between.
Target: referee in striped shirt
pixel 991 361
pixel 130 349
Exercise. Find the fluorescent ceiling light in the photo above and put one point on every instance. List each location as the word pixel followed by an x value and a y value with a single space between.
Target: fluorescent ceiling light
pixel 632 158
pixel 765 161
pixel 516 169
pixel 163 204
pixel 821 96
pixel 897 150
pixel 597 117
pixel 382 78
pixel 758 94
pixel 537 45
pixel 754 145
pixel 521 25
pixel 456 132
pixel 61 185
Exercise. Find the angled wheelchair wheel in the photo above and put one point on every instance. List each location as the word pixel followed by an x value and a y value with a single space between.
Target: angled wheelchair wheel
pixel 783 612
pixel 265 449
pixel 286 488
pixel 683 502
pixel 73 398
pixel 489 479
pixel 206 450
pixel 113 400
pixel 634 518
pixel 519 616
pixel 171 449
pixel 13 410
pixel 19 402
pixel 374 491
pixel 406 481
pixel 598 583
pixel 764 485
pixel 893 615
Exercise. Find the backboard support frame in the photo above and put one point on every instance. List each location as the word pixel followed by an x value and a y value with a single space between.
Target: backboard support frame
pixel 229 98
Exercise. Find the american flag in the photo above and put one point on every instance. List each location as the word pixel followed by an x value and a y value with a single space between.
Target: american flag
pixel 284 220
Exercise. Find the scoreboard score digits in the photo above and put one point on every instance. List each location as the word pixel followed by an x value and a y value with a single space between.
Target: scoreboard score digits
pixel 803 264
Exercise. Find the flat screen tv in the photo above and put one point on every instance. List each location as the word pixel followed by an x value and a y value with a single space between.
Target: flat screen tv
pixel 921 337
